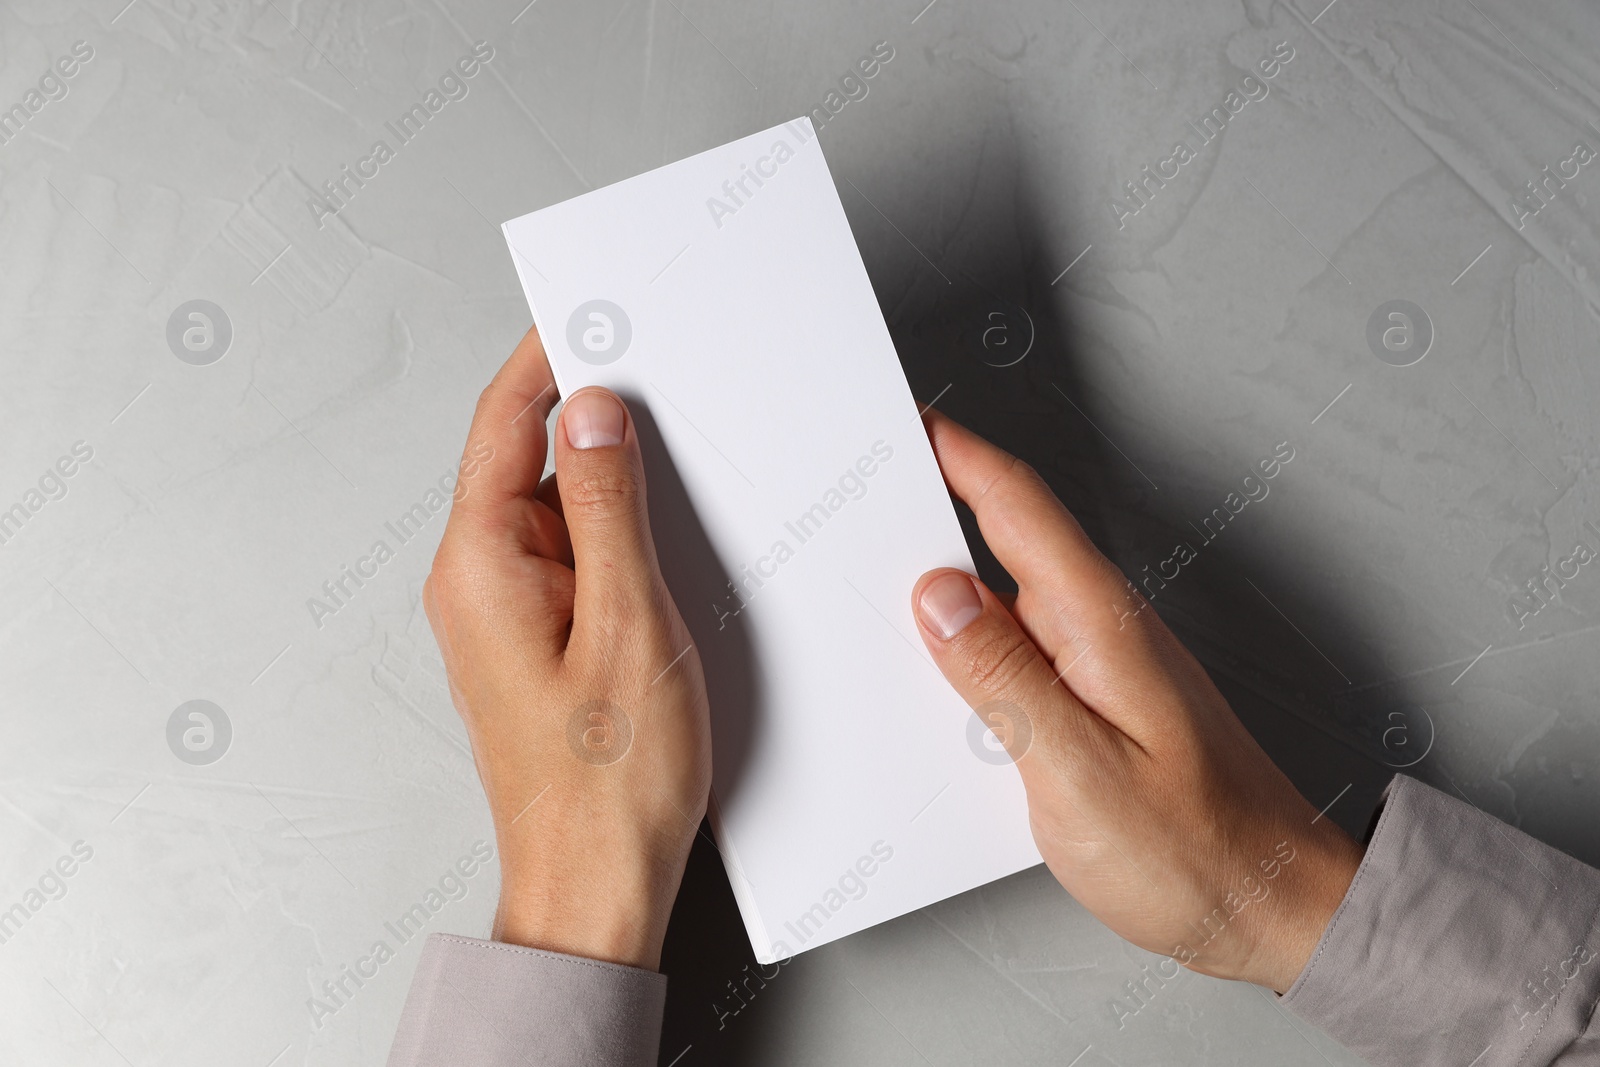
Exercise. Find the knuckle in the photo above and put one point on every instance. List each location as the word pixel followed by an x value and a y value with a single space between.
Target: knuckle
pixel 429 595
pixel 446 560
pixel 994 661
pixel 603 489
pixel 1021 479
pixel 440 597
pixel 485 398
pixel 1018 485
pixel 456 563
pixel 1022 470
pixel 442 582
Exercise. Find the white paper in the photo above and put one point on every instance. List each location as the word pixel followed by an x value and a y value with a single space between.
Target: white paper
pixel 737 320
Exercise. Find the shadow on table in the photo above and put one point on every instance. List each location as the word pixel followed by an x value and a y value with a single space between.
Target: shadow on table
pixel 1036 366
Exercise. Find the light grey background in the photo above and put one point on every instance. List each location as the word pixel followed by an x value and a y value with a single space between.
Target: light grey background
pixel 1347 615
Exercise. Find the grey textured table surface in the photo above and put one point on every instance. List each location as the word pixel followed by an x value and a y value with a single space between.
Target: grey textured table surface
pixel 1143 346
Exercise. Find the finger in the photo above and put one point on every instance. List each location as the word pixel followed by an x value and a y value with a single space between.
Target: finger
pixel 549 494
pixel 543 527
pixel 1098 632
pixel 543 531
pixel 481 607
pixel 506 445
pixel 1032 535
pixel 1000 673
pixel 601 482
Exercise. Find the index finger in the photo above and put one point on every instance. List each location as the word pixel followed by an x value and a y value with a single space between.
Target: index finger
pixel 1071 599
pixel 1031 532
pixel 1079 607
pixel 509 428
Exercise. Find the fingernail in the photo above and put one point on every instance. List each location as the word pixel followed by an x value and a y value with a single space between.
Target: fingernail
pixel 593 420
pixel 949 603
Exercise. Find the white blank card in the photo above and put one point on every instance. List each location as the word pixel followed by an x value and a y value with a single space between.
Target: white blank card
pixel 795 501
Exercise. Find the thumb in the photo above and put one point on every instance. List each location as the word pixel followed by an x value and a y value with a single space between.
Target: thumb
pixel 998 670
pixel 600 476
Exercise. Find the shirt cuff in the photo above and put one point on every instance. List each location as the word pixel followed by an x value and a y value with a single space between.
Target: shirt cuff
pixel 491 1004
pixel 1460 941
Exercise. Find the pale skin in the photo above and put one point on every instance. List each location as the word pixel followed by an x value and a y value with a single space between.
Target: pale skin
pixel 1149 801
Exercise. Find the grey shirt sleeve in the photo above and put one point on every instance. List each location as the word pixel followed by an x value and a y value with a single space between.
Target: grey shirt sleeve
pixel 493 1005
pixel 1461 941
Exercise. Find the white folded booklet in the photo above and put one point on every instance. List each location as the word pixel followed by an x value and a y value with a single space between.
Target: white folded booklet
pixel 795 501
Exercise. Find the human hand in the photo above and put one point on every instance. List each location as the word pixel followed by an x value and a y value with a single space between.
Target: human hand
pixel 1148 799
pixel 572 670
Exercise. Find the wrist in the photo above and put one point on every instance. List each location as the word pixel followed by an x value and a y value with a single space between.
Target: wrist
pixel 599 928
pixel 590 903
pixel 1290 933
